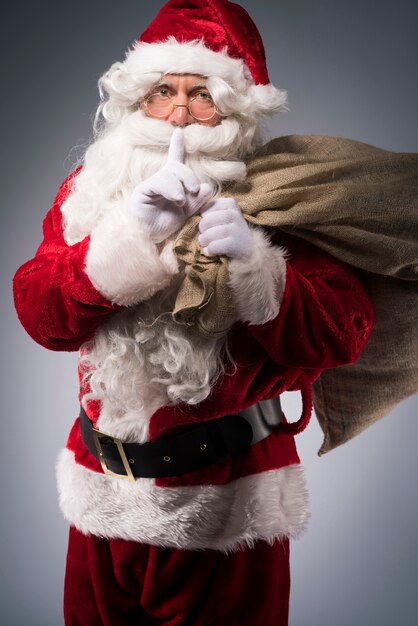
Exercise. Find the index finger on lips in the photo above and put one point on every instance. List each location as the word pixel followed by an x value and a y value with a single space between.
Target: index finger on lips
pixel 176 147
pixel 175 161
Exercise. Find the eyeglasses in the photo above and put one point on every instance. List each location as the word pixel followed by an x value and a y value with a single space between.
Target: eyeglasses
pixel 161 104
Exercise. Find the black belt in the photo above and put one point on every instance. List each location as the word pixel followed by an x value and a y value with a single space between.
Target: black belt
pixel 210 442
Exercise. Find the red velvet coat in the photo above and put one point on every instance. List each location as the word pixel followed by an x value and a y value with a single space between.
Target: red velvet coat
pixel 324 321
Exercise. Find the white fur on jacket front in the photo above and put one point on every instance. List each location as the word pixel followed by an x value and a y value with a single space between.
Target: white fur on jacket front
pixel 123 263
pixel 258 283
pixel 268 506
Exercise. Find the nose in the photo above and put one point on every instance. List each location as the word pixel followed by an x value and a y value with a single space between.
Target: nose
pixel 180 116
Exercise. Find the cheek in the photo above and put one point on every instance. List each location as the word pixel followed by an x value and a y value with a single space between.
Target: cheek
pixel 213 122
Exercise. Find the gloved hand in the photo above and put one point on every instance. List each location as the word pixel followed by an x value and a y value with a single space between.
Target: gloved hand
pixel 163 202
pixel 225 231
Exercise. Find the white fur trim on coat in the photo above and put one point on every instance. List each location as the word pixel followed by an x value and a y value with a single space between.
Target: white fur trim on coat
pixel 267 506
pixel 258 283
pixel 123 263
pixel 193 57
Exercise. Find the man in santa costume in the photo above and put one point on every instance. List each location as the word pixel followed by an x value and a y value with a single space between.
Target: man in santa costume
pixel 180 478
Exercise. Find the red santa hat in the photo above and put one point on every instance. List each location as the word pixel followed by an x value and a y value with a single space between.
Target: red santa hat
pixel 210 38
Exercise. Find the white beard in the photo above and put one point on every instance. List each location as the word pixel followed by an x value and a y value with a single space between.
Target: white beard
pixel 142 359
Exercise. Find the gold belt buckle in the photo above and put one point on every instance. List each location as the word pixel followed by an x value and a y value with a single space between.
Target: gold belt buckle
pixel 97 435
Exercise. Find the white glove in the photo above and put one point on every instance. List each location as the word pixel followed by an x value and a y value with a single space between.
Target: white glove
pixel 224 231
pixel 163 202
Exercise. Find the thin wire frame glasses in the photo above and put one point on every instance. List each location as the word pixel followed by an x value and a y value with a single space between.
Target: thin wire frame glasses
pixel 202 110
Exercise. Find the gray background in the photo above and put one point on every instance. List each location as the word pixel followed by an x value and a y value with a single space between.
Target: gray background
pixel 350 69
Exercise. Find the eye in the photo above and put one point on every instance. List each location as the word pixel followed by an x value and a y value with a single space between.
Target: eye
pixel 162 93
pixel 203 95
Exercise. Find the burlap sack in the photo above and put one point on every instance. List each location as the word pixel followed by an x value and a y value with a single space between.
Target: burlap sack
pixel 348 399
pixel 359 203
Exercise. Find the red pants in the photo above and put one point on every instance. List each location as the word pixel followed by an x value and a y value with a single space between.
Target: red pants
pixel 123 583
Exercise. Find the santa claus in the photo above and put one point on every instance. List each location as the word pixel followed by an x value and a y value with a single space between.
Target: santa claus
pixel 180 478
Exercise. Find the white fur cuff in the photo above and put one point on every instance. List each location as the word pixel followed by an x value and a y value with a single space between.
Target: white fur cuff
pixel 258 283
pixel 123 263
pixel 268 506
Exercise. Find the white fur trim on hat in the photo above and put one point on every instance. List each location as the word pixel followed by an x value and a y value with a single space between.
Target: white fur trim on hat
pixel 268 506
pixel 193 57
pixel 258 283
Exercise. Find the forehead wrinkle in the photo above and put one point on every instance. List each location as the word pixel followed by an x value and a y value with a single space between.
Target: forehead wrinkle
pixel 163 83
pixel 167 83
pixel 199 86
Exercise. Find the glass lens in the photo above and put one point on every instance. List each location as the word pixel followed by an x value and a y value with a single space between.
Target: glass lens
pixel 202 108
pixel 159 105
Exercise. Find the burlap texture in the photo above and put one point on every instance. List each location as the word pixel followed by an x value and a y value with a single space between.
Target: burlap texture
pixel 359 203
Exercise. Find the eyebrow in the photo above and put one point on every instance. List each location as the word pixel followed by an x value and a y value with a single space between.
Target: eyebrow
pixel 166 83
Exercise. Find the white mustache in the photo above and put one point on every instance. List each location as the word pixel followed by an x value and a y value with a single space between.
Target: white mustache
pixel 220 140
